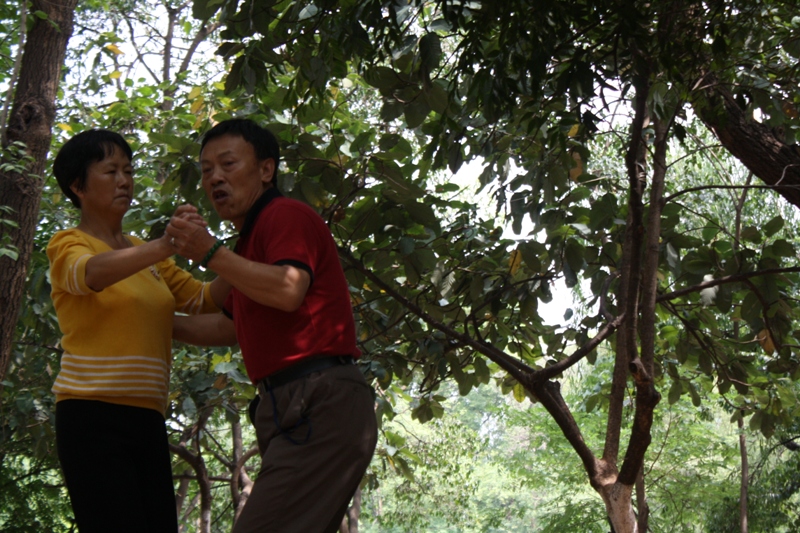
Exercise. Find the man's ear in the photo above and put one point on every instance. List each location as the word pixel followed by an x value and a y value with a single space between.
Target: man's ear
pixel 267 167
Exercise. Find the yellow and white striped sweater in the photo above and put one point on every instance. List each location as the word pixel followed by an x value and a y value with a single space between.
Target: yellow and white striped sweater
pixel 117 342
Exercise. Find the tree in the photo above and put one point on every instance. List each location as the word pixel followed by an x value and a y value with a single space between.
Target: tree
pixel 30 123
pixel 581 114
pixel 530 82
pixel 773 495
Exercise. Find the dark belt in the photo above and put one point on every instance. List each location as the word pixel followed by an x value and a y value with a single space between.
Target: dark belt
pixel 304 368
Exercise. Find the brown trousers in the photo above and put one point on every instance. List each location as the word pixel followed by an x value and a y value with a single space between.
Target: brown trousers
pixel 314 459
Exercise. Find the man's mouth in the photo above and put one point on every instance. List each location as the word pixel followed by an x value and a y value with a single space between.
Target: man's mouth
pixel 219 195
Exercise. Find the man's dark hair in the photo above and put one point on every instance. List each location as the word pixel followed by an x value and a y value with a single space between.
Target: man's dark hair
pixel 78 153
pixel 261 139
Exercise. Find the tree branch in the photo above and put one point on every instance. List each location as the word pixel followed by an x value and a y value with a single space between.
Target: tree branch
pixel 553 370
pixel 513 366
pixel 733 278
pixel 756 145
pixel 199 37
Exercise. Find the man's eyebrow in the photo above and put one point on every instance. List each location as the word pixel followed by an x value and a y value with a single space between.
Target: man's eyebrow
pixel 226 152
pixel 112 164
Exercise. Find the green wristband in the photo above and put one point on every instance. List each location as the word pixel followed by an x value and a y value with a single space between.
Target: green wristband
pixel 210 254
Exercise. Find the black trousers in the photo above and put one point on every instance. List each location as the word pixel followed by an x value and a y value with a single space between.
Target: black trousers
pixel 117 467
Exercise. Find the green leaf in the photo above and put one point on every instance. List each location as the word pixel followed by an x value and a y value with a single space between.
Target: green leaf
pixel 519 393
pixel 455 158
pixel 675 392
pixel 709 232
pixel 422 213
pixel 695 396
pixel 751 234
pixel 755 421
pixel 531 252
pixel 570 277
pixel 482 373
pixel 189 407
pixel 774 226
pixel 591 402
pixel 234 78
pixel 430 51
pixel 406 245
pixel 783 248
pixel 416 112
pixel 229 49
pixel 205 9
pixel 237 376
pixel 382 77
pixel 476 289
pixel 362 141
pixel 395 144
pixel 225 367
pixel 705 363
pixel 724 298
pixel 768 425
pixel 436 97
pixel 574 253
pixel 10 253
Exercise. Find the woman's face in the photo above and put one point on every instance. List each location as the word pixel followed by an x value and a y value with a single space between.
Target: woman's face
pixel 109 185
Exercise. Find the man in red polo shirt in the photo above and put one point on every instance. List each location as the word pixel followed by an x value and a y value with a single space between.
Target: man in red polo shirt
pixel 289 309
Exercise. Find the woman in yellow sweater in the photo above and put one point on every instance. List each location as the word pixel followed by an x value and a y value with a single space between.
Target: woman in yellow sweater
pixel 115 297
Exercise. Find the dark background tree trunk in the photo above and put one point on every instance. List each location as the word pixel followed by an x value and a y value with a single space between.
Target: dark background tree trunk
pixel 32 115
pixel 760 148
pixel 745 476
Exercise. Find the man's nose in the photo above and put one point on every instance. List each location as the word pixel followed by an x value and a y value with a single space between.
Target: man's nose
pixel 212 176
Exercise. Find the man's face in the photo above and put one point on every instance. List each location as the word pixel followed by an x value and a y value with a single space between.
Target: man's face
pixel 233 177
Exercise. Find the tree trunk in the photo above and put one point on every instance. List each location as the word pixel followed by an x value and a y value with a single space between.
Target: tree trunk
pixel 642 507
pixel 241 484
pixel 184 527
pixel 745 475
pixel 617 498
pixel 32 115
pixel 183 490
pixel 350 520
pixel 198 464
pixel 736 328
pixel 194 458
pixel 12 80
pixel 761 149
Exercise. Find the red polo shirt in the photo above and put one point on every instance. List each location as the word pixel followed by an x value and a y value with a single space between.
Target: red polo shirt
pixel 279 231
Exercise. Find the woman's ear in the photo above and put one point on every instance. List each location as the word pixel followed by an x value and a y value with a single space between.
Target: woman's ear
pixel 75 190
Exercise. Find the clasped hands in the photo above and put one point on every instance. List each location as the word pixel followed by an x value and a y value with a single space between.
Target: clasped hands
pixel 188 234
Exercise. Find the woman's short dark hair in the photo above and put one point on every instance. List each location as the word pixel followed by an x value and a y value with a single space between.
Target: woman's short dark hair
pixel 79 152
pixel 263 141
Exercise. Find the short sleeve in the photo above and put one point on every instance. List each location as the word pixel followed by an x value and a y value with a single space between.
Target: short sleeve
pixel 295 239
pixel 191 296
pixel 227 307
pixel 68 253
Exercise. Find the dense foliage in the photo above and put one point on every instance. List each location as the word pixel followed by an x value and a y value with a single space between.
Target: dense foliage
pixel 577 112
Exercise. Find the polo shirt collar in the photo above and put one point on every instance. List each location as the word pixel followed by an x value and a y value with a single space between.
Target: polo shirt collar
pixel 255 209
